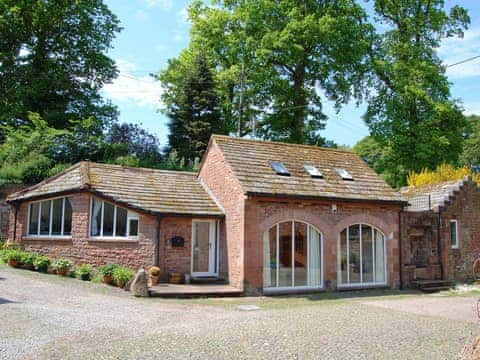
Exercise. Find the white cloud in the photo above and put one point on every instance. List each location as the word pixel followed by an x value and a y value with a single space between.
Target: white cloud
pixel 182 16
pixel 142 15
pixel 454 50
pixel 127 87
pixel 471 108
pixel 164 5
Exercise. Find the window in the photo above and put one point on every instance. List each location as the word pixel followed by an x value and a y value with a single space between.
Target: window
pixel 345 175
pixel 279 168
pixel 292 254
pixel 109 220
pixel 313 171
pixel 454 234
pixel 50 218
pixel 361 256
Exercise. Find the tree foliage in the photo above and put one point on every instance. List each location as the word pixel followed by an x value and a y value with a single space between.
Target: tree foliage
pixel 410 111
pixel 273 60
pixel 53 61
pixel 194 112
pixel 471 147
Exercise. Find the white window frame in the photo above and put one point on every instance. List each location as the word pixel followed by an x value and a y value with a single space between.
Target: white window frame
pixel 49 235
pixel 361 284
pixel 456 245
pixel 280 289
pixel 130 216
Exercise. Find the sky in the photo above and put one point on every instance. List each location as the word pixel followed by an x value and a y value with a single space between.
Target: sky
pixel 157 30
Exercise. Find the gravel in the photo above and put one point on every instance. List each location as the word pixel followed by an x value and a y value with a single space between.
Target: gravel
pixel 49 317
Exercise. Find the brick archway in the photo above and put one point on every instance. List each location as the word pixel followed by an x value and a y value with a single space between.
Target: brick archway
pixel 294 215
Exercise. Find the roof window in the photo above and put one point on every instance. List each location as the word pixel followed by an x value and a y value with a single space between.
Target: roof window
pixel 313 171
pixel 279 168
pixel 345 175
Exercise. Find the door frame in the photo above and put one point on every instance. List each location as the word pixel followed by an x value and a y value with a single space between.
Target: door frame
pixel 213 253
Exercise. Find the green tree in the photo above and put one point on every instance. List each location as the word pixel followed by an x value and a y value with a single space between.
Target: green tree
pixel 53 60
pixel 410 111
pixel 273 59
pixel 194 113
pixel 471 147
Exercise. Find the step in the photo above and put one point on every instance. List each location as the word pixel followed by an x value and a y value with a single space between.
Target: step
pixel 435 289
pixel 208 280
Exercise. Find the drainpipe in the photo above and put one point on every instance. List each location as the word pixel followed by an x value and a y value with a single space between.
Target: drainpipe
pixel 439 242
pixel 400 248
pixel 157 252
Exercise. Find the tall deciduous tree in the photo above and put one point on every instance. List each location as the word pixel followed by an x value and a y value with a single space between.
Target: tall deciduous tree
pixel 274 60
pixel 194 112
pixel 53 61
pixel 471 147
pixel 411 110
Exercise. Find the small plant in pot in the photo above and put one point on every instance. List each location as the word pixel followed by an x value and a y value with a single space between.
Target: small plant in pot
pixel 41 263
pixel 85 272
pixel 121 276
pixel 14 258
pixel 154 275
pixel 106 271
pixel 28 260
pixel 62 266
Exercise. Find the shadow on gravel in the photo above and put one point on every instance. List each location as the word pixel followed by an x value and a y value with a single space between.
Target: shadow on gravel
pixel 6 301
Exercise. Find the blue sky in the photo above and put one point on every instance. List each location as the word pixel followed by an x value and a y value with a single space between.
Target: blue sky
pixel 157 30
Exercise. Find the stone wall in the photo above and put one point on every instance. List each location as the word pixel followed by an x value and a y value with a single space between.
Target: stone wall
pixel 262 214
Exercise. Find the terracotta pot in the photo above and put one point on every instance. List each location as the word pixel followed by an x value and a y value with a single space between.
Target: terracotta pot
pixel 14 263
pixel 121 285
pixel 176 278
pixel 108 279
pixel 154 279
pixel 62 272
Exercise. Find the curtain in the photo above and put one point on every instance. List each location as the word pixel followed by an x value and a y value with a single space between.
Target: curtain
pixel 97 206
pixel 315 258
pixel 267 278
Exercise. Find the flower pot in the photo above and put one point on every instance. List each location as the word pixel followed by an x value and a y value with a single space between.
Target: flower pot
pixel 14 263
pixel 175 278
pixel 108 279
pixel 121 284
pixel 154 279
pixel 62 271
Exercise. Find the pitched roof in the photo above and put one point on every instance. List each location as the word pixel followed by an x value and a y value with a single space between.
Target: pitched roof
pixel 432 196
pixel 250 161
pixel 155 191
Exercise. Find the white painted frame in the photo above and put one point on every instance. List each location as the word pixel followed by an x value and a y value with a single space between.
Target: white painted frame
pixel 361 284
pixel 213 248
pixel 130 216
pixel 456 245
pixel 273 289
pixel 49 235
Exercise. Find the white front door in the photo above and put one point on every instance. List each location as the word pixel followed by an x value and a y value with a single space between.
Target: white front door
pixel 204 248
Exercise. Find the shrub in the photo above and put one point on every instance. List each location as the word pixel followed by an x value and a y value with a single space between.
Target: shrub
pixel 121 276
pixel 15 255
pixel 41 263
pixel 154 271
pixel 62 266
pixel 108 269
pixel 28 259
pixel 85 272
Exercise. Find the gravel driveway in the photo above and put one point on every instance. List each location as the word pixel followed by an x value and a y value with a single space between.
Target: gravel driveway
pixel 48 317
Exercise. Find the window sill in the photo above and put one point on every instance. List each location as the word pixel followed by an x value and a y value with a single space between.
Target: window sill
pixel 112 239
pixel 46 237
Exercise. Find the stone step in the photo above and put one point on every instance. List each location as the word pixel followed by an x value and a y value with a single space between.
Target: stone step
pixel 432 285
pixel 435 289
pixel 208 280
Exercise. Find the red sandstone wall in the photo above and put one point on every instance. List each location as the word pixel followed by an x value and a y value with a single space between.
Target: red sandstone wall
pixel 260 215
pixel 81 249
pixel 219 178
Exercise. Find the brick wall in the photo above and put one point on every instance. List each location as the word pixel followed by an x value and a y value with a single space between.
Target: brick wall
pixel 262 214
pixel 218 177
pixel 4 219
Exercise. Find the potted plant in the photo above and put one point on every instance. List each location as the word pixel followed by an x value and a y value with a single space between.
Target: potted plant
pixel 27 260
pixel 41 263
pixel 175 278
pixel 14 258
pixel 106 271
pixel 154 275
pixel 84 272
pixel 121 276
pixel 62 266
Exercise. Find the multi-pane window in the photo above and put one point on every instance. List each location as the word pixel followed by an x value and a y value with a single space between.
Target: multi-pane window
pixel 454 234
pixel 109 220
pixel 361 256
pixel 50 217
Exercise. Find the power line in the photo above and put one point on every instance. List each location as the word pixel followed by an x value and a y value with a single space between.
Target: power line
pixel 464 61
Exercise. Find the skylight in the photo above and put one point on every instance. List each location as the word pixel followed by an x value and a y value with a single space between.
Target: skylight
pixel 344 174
pixel 313 171
pixel 279 168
